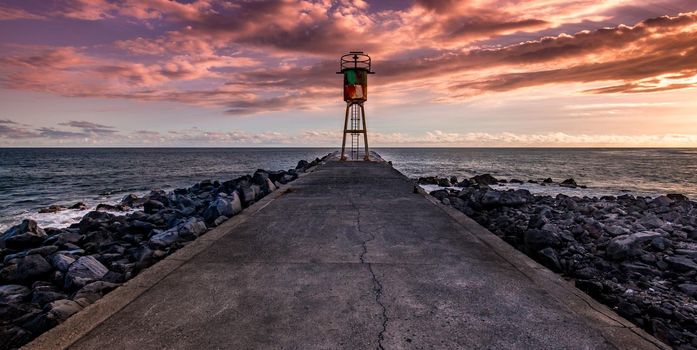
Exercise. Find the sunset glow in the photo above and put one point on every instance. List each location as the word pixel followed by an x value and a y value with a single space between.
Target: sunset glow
pixel 262 73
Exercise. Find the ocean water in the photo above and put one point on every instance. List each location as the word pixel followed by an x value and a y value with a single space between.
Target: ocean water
pixel 31 179
pixel 611 171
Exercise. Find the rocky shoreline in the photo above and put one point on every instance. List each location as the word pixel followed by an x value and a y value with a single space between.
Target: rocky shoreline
pixel 49 274
pixel 638 255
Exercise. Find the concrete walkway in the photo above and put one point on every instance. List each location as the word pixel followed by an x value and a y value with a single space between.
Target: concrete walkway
pixel 348 257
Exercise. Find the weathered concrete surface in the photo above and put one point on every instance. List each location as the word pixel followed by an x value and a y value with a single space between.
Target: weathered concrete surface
pixel 350 257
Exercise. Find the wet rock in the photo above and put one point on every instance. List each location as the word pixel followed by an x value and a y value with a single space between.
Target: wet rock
pixel 52 209
pixel 485 179
pixel 78 206
pixel 152 206
pixel 440 194
pixel 547 180
pixel 109 207
pixel 677 197
pixel 302 165
pixel 84 270
pixel 569 183
pixel 28 234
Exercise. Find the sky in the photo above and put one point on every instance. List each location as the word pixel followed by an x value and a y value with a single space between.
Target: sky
pixel 449 73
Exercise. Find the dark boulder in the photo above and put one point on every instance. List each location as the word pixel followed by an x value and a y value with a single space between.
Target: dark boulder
pixel 28 234
pixel 32 267
pixel 678 197
pixel 569 183
pixel 681 264
pixel 78 206
pixel 537 239
pixel 12 337
pixel 428 180
pixel 302 165
pixel 260 176
pixel 443 182
pixel 629 245
pixel 485 180
pixel 440 194
pixel 548 258
pixel 689 289
pixel 152 206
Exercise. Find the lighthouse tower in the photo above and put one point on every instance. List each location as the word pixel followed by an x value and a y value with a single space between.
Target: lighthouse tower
pixel 355 67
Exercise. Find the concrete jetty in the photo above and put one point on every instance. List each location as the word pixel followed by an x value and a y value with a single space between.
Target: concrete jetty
pixel 347 257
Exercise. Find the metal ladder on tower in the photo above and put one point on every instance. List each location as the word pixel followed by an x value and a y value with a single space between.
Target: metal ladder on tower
pixel 355 125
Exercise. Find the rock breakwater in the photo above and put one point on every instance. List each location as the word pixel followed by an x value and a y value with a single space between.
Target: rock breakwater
pixel 638 255
pixel 49 274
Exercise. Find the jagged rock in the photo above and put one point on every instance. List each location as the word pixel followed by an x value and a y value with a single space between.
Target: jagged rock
pixel 536 240
pixel 548 257
pixel 628 245
pixel 681 264
pixel 13 293
pixel 662 201
pixel 83 271
pixel 302 164
pixel 569 183
pixel 689 289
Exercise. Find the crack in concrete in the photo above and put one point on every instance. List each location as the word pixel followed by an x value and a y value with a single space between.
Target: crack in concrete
pixel 377 286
